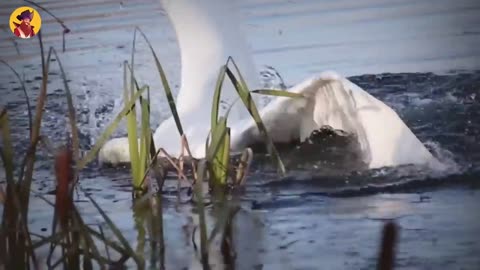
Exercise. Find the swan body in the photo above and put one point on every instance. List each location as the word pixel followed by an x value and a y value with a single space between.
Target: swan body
pixel 332 100
pixel 207 36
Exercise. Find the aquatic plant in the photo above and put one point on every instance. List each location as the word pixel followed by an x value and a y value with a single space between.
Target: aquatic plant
pixel 217 165
pixel 14 234
pixel 59 21
pixel 77 242
pixel 218 151
pixel 75 239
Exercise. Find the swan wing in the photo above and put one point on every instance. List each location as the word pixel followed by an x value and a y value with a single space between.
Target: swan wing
pixel 332 100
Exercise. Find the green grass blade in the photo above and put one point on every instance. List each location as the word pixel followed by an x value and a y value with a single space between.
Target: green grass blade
pixel 218 155
pixel 242 90
pixel 198 190
pixel 106 241
pixel 135 156
pixel 18 211
pixel 215 158
pixel 118 234
pixel 225 158
pixel 131 127
pixel 66 30
pixel 277 93
pixel 218 136
pixel 166 86
pixel 30 161
pixel 42 52
pixel 145 133
pixel 145 140
pixel 132 61
pixel 216 97
pixel 27 99
pixel 215 153
pixel 7 150
pixel 71 114
pixel 109 130
pixel 54 238
pixel 5 28
pixel 223 214
pixel 142 159
pixel 87 243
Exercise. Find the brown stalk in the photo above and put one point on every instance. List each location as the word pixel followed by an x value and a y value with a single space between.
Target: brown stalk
pixel 386 258
pixel 64 174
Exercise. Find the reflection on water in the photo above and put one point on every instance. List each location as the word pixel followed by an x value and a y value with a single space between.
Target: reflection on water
pixel 316 217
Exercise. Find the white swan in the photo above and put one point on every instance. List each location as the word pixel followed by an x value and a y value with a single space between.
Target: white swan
pixel 208 32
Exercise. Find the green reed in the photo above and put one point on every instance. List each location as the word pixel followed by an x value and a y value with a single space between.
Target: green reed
pixel 76 240
pixel 217 165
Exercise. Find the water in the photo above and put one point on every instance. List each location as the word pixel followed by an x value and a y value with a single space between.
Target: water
pixel 420 57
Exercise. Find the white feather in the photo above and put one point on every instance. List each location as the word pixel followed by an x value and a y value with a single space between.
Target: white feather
pixel 332 100
pixel 208 33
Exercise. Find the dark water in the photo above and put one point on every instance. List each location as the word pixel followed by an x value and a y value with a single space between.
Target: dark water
pixel 319 217
pixel 323 215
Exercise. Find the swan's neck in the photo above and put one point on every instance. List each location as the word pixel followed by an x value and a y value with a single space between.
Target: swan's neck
pixel 208 31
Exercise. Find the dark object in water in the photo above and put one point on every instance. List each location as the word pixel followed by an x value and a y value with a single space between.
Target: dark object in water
pixel 386 257
pixel 327 150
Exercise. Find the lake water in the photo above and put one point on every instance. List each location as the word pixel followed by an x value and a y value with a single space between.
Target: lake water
pixel 419 57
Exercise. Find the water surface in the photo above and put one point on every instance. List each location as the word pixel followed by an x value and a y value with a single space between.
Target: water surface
pixel 420 57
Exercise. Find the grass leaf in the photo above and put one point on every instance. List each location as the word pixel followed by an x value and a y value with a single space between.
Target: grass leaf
pixel 30 160
pixel 216 97
pixel 7 149
pixel 27 100
pixel 118 234
pixel 218 135
pixel 71 115
pixel 277 93
pixel 198 190
pixel 109 130
pixel 166 86
pixel 242 90
pixel 131 127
